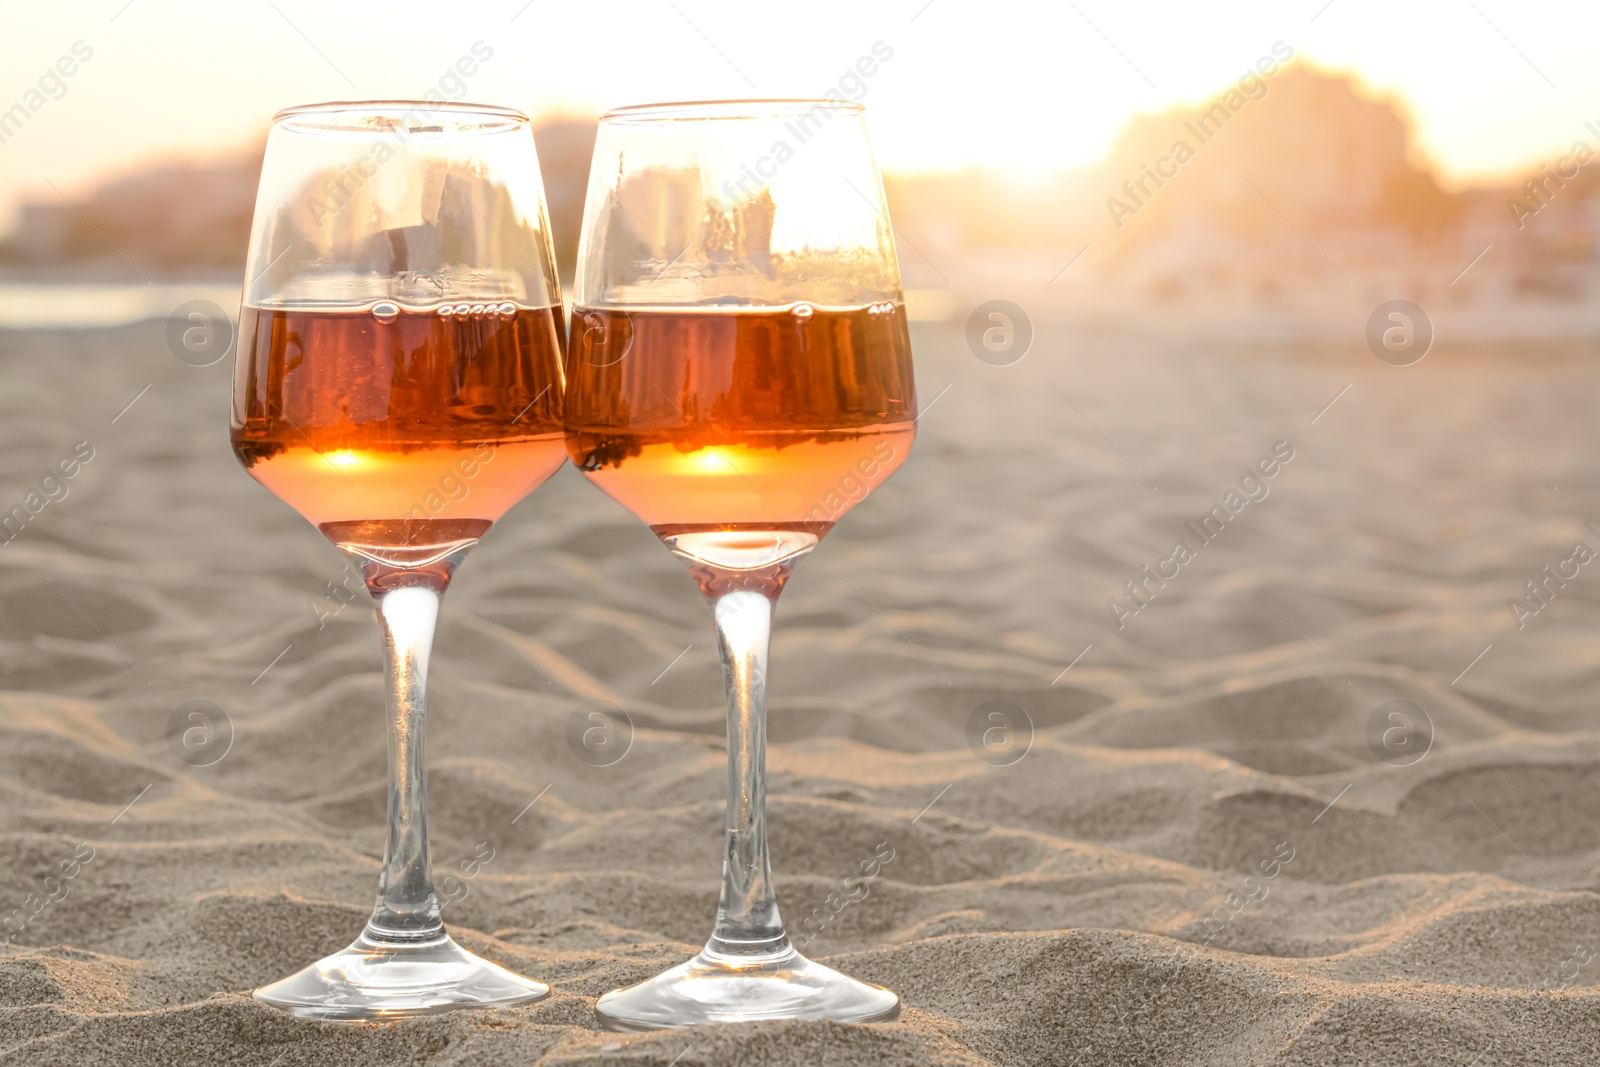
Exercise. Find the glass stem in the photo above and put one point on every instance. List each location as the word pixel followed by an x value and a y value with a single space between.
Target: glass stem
pixel 407 910
pixel 748 924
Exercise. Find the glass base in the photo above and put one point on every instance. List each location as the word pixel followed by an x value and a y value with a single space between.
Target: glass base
pixel 721 989
pixel 374 980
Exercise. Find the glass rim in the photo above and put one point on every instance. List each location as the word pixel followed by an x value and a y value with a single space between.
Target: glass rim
pixel 715 110
pixel 399 108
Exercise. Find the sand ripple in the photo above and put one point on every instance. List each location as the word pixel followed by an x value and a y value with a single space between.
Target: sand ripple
pixel 1102 901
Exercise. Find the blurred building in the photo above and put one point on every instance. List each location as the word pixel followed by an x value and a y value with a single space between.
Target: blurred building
pixel 1305 179
pixel 194 218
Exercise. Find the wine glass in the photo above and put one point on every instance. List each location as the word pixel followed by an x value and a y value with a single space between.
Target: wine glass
pixel 740 376
pixel 399 384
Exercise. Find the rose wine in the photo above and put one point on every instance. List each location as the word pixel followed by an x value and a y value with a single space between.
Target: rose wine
pixel 400 429
pixel 728 427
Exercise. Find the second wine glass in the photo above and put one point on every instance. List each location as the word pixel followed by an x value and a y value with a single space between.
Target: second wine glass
pixel 740 377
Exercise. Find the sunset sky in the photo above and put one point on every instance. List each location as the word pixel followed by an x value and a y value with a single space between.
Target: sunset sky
pixel 1494 86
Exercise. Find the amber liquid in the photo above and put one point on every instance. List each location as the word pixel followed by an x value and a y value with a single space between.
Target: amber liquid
pixel 737 419
pixel 404 430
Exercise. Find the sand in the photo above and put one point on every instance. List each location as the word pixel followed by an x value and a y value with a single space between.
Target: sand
pixel 1051 911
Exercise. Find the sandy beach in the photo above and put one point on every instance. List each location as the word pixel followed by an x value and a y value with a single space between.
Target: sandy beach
pixel 1210 848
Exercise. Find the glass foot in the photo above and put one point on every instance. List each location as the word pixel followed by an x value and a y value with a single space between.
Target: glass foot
pixel 720 989
pixel 373 980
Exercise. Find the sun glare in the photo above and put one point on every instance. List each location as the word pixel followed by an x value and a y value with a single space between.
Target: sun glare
pixel 709 460
pixel 345 458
